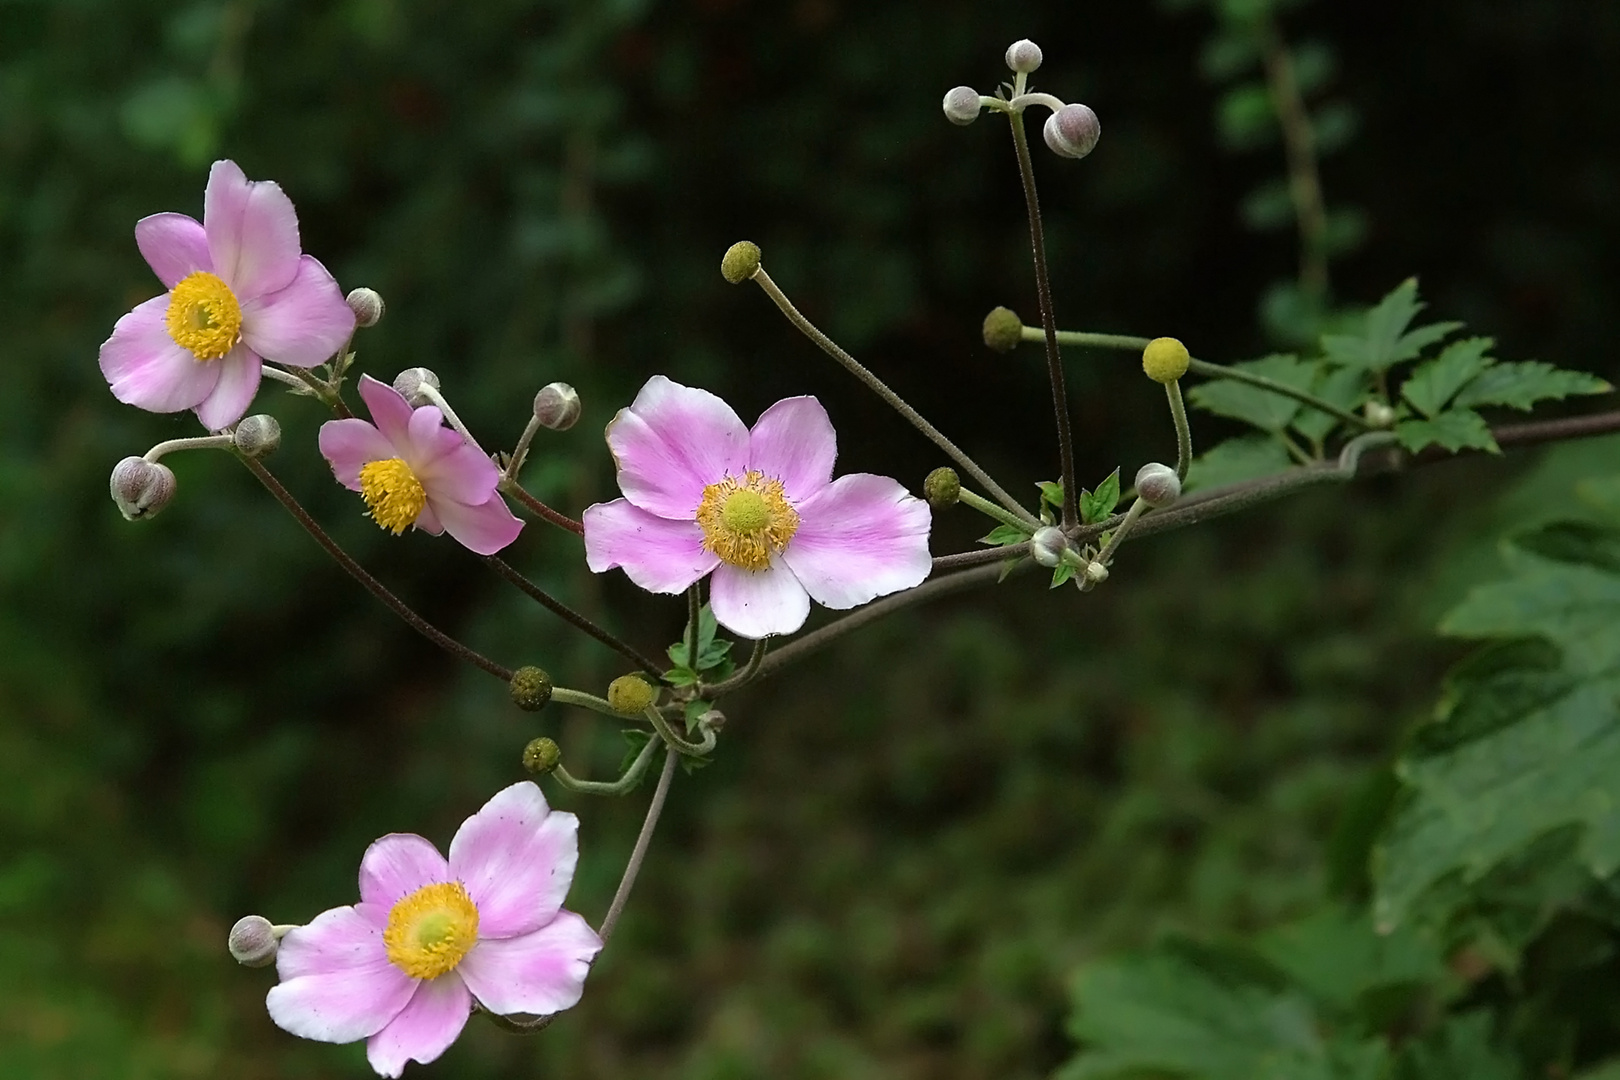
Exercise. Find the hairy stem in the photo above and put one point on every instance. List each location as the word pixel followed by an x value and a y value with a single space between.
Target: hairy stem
pixel 1178 414
pixel 622 786
pixel 511 488
pixel 750 670
pixel 990 510
pixel 573 617
pixel 638 854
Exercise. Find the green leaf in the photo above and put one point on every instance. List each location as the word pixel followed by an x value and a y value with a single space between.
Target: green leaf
pixel 1436 382
pixel 713 655
pixel 1520 385
pixel 1384 339
pixel 1097 505
pixel 1245 117
pixel 636 738
pixel 1051 495
pixel 1262 408
pixel 1002 535
pixel 1452 430
pixel 1061 574
pixel 1349 968
pixel 1235 460
pixel 1459 1050
pixel 1344 387
pixel 681 676
pixel 695 710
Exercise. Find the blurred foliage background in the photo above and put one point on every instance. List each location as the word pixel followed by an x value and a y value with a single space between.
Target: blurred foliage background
pixel 910 844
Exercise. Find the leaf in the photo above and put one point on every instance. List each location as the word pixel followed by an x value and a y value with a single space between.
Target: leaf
pixel 1383 339
pixel 1344 387
pixel 714 655
pixel 1097 505
pixel 637 738
pixel 1521 384
pixel 1051 495
pixel 1459 1050
pixel 1061 574
pixel 1435 382
pixel 1235 460
pixel 1453 430
pixel 694 712
pixel 1245 118
pixel 1002 535
pixel 1264 409
pixel 680 676
pixel 1345 965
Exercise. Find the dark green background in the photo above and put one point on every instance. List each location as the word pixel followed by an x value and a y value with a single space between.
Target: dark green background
pixel 906 846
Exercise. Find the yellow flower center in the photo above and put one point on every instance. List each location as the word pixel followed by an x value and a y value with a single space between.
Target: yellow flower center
pixel 746 521
pixel 429 931
pixel 203 316
pixel 393 494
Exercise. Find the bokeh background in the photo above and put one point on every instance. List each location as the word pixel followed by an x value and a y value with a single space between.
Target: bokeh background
pixel 908 845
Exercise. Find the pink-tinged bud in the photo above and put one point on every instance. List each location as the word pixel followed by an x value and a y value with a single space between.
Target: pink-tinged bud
pixel 557 406
pixel 1157 485
pixel 1072 131
pixel 367 305
pixel 962 105
pixel 141 488
pixel 409 383
pixel 256 436
pixel 253 941
pixel 1024 56
pixel 1048 546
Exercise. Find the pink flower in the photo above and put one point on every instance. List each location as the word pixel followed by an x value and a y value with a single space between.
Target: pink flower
pixel 239 292
pixel 412 470
pixel 402 967
pixel 757 507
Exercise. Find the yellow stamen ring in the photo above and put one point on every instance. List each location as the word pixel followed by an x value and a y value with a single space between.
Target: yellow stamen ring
pixel 429 931
pixel 746 521
pixel 203 317
pixel 393 494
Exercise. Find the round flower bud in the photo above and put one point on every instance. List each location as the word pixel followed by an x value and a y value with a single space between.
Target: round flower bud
pixel 740 262
pixel 409 383
pixel 542 756
pixel 943 488
pixel 141 488
pixel 256 436
pixel 1072 131
pixel 1096 573
pixel 1378 414
pixel 1157 485
pixel 961 105
pixel 630 695
pixel 1024 56
pixel 253 941
pixel 530 688
pixel 1165 360
pixel 1003 329
pixel 367 305
pixel 556 406
pixel 1047 546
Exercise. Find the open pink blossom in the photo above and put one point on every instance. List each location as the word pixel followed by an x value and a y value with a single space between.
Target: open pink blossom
pixel 240 292
pixel 759 508
pixel 413 470
pixel 402 967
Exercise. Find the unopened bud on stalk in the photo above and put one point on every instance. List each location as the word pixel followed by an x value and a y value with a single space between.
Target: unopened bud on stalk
pixel 1096 573
pixel 1165 360
pixel 542 756
pixel 943 488
pixel 530 688
pixel 409 383
pixel 367 305
pixel 253 941
pixel 1157 485
pixel 256 436
pixel 556 406
pixel 740 262
pixel 1048 546
pixel 714 720
pixel 630 695
pixel 1072 131
pixel 141 488
pixel 1023 56
pixel 1003 329
pixel 1378 414
pixel 961 105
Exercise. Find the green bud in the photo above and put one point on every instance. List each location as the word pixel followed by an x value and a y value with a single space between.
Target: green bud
pixel 630 695
pixel 542 756
pixel 1003 329
pixel 943 488
pixel 530 688
pixel 741 262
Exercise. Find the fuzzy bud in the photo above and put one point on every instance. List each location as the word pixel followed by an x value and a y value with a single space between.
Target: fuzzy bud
pixel 943 488
pixel 1378 414
pixel 367 305
pixel 1096 573
pixel 1157 485
pixel 961 105
pixel 256 436
pixel 141 488
pixel 1072 131
pixel 1023 56
pixel 253 941
pixel 1165 360
pixel 530 688
pixel 630 695
pixel 1048 546
pixel 740 262
pixel 556 406
pixel 1003 329
pixel 542 756
pixel 409 383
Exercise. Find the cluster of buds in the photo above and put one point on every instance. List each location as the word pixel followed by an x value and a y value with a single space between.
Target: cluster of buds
pixel 1071 131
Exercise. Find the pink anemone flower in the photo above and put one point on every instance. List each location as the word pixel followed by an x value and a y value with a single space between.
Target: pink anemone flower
pixel 757 508
pixel 411 470
pixel 240 292
pixel 403 967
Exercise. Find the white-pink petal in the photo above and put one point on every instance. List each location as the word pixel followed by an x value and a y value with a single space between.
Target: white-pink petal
pixel 757 604
pixel 174 246
pixel 659 555
pixel 337 984
pixel 302 324
pixel 862 537
pixel 516 857
pixel 145 368
pixel 252 232
pixel 424 1028
pixel 350 443
pixel 793 441
pixel 672 442
pixel 538 973
pixel 239 374
pixel 389 411
pixel 483 529
pixel 398 865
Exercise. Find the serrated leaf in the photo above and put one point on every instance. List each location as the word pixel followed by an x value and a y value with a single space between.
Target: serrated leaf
pixel 1383 338
pixel 680 676
pixel 1435 382
pixel 1454 430
pixel 1098 505
pixel 1236 460
pixel 1262 408
pixel 694 711
pixel 1340 960
pixel 1051 494
pixel 1460 1049
pixel 1521 384
pixel 1344 387
pixel 714 655
pixel 1061 574
pixel 1002 535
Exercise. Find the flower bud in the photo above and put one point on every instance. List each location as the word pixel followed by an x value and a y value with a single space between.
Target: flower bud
pixel 1024 56
pixel 409 383
pixel 556 406
pixel 1048 546
pixel 1096 573
pixel 1378 414
pixel 740 262
pixel 714 720
pixel 943 488
pixel 630 695
pixel 1072 131
pixel 367 305
pixel 530 688
pixel 1165 360
pixel 253 941
pixel 962 105
pixel 542 756
pixel 141 488
pixel 1003 329
pixel 256 436
pixel 1157 485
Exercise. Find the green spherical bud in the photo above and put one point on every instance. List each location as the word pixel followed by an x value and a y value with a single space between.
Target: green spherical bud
pixel 1165 360
pixel 256 436
pixel 741 262
pixel 530 688
pixel 367 305
pixel 253 941
pixel 1157 485
pixel 630 695
pixel 1003 329
pixel 542 756
pixel 943 488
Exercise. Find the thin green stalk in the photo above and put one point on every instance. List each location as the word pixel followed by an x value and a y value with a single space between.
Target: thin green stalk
pixel 1178 413
pixel 638 854
pixel 990 509
pixel 622 786
pixel 756 656
pixel 196 442
pixel 563 696
pixel 675 742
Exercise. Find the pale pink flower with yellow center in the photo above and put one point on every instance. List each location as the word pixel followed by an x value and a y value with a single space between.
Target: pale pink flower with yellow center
pixel 403 967
pixel 240 292
pixel 412 470
pixel 757 508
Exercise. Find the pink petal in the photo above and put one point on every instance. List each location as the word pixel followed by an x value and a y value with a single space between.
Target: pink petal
pixel 145 368
pixel 390 411
pixel 303 324
pixel 397 865
pixel 252 232
pixel 448 465
pixel 337 984
pixel 516 857
pixel 862 537
pixel 672 442
pixel 348 444
pixel 483 529
pixel 173 245
pixel 538 973
pixel 239 373
pixel 424 1029
pixel 793 441
pixel 658 554
pixel 757 604
pixel 428 521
